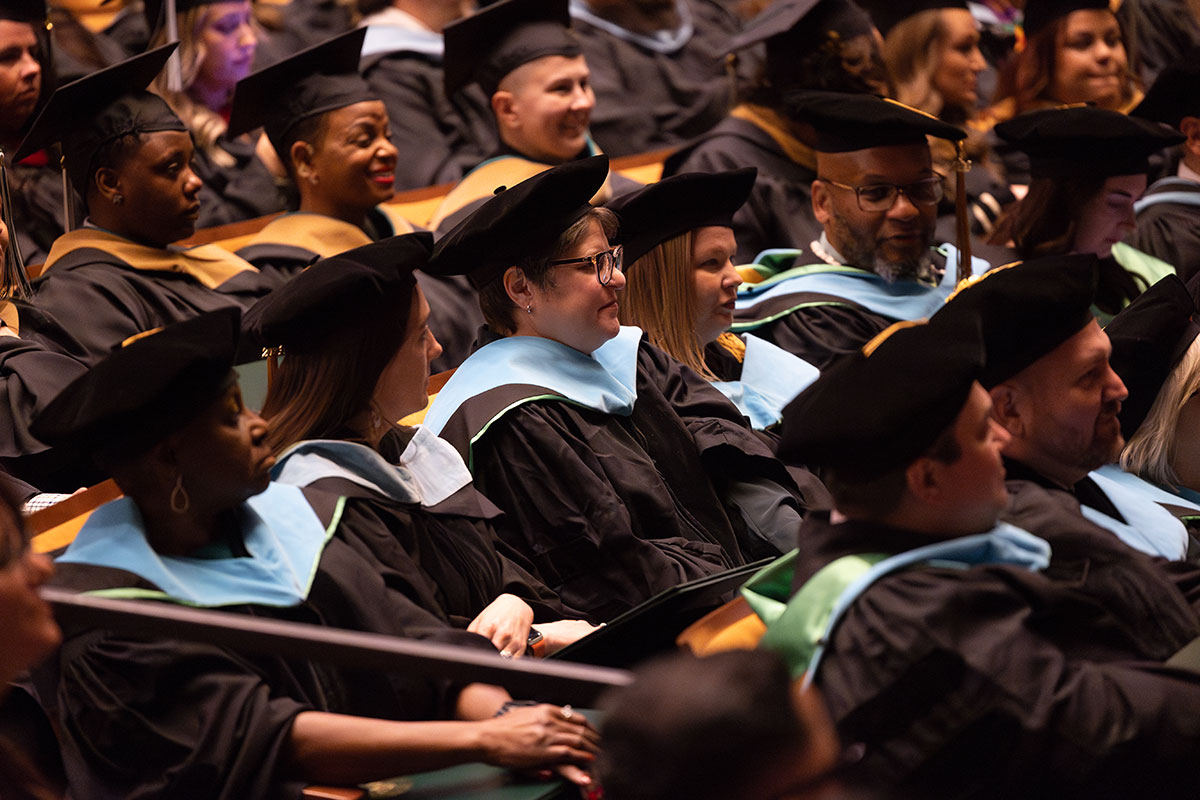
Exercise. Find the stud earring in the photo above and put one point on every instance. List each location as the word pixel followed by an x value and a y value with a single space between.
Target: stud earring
pixel 118 199
pixel 529 309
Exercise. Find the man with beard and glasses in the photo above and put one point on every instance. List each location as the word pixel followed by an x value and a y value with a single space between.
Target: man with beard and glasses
pixel 876 198
pixel 1053 390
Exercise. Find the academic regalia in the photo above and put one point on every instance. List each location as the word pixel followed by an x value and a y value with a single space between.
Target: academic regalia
pixel 416 512
pixel 128 288
pixel 291 242
pixel 37 196
pixel 595 458
pixel 144 717
pixel 1051 685
pixel 302 24
pixel 819 312
pixel 245 190
pixel 779 212
pixel 147 716
pixel 1168 224
pixel 657 91
pixel 610 506
pixel 440 138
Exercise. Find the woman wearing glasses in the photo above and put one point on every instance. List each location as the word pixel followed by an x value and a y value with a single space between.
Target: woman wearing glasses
pixel 622 472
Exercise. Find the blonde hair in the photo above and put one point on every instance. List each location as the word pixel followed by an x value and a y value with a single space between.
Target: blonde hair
pixel 912 53
pixel 206 125
pixel 1151 449
pixel 660 298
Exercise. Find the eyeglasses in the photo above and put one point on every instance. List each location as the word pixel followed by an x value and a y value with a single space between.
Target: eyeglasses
pixel 604 263
pixel 882 196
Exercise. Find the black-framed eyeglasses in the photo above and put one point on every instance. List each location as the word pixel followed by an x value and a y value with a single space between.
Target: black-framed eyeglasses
pixel 604 263
pixel 882 196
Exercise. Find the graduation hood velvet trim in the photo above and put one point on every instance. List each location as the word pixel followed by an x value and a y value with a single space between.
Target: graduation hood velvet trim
pixel 281 532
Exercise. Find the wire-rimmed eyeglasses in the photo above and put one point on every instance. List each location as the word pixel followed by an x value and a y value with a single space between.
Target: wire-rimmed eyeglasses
pixel 604 263
pixel 882 196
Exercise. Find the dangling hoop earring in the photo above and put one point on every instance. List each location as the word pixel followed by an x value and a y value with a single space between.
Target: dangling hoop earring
pixel 180 502
pixel 529 309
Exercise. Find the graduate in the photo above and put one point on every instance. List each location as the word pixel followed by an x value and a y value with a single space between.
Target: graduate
pixel 658 69
pixel 1155 352
pixel 1054 391
pixel 332 133
pixel 810 44
pixel 876 195
pixel 528 62
pixel 1089 167
pixel 622 473
pixel 129 157
pixel 202 524
pixel 681 285
pixel 441 136
pixel 1168 213
pixel 333 428
pixel 218 40
pixel 970 658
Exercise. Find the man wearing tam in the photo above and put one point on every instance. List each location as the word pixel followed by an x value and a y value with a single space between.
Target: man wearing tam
pixel 1168 214
pixel 876 196
pixel 966 658
pixel 528 62
pixel 1053 390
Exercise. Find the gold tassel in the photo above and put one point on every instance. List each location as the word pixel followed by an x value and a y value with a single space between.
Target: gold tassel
pixel 962 166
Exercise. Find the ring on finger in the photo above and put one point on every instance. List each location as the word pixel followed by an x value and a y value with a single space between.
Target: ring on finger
pixel 567 712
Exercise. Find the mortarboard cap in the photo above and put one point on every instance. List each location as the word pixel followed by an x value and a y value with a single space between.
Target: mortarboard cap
pixel 1149 337
pixel 1040 14
pixel 153 10
pixel 845 122
pixel 1175 93
pixel 1028 309
pixel 96 110
pixel 147 388
pixel 881 408
pixel 1083 140
pixel 802 25
pixel 519 224
pixel 492 42
pixel 653 214
pixel 336 291
pixel 321 78
pixel 887 14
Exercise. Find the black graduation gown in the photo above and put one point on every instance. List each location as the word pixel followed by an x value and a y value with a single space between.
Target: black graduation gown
pixel 1171 231
pixel 439 138
pixel 37 196
pixel 302 24
pixel 290 243
pixel 122 299
pixel 822 332
pixel 612 510
pixel 144 717
pixel 646 100
pixel 245 190
pixel 779 211
pixel 995 681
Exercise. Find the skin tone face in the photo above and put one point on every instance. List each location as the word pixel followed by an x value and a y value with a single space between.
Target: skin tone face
pixel 543 108
pixel 351 169
pixel 1108 217
pixel 893 243
pixel 229 43
pixel 20 75
pixel 1185 458
pixel 574 308
pixel 1089 60
pixel 716 280
pixel 1061 411
pixel 403 386
pixel 960 60
pixel 160 194
pixel 223 455
pixel 26 624
pixel 971 489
